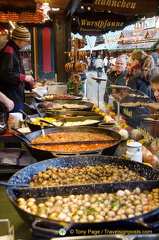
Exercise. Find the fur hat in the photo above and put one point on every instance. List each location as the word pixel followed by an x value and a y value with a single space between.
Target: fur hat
pixel 112 61
pixel 21 33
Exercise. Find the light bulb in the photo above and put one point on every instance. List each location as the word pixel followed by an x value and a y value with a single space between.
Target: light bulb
pixel 82 7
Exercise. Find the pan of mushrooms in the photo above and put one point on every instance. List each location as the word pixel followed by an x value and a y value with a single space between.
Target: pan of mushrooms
pixel 87 192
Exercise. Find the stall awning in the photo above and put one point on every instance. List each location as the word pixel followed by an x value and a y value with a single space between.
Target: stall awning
pixel 102 46
pixel 133 46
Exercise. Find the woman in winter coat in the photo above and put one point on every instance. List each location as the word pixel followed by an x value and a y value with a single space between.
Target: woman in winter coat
pixel 142 69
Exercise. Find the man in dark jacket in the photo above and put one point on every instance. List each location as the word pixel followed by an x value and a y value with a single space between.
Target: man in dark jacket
pixel 116 77
pixel 12 75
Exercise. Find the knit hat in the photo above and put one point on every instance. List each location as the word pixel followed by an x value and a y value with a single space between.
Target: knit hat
pixel 21 33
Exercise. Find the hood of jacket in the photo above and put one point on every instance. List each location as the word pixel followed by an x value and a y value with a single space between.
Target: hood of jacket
pixel 155 57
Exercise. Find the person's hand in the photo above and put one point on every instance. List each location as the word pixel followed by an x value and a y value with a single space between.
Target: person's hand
pixel 9 104
pixel 29 78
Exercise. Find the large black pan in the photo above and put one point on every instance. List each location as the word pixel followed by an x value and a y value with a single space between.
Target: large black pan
pixel 64 114
pixel 99 119
pixel 51 97
pixel 138 223
pixel 147 121
pixel 34 127
pixel 25 175
pixel 69 113
pixel 43 154
pixel 31 125
pixel 81 104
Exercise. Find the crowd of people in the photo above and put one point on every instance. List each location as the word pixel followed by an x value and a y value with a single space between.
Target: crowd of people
pixel 138 71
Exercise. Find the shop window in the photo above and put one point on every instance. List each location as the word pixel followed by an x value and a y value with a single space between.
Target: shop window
pixel 26 53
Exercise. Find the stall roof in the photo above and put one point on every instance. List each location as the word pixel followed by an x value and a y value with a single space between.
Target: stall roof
pixel 115 36
pixel 91 41
pixel 112 35
pixel 102 46
pixel 32 11
pixel 132 46
pixel 108 45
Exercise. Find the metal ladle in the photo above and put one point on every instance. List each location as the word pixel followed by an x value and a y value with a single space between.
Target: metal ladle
pixel 42 129
pixel 26 116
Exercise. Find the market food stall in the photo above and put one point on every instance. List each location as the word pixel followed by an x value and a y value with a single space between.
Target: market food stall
pixel 145 175
pixel 141 221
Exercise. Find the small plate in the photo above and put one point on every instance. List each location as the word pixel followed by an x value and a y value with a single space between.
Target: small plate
pixel 107 125
pixel 24 130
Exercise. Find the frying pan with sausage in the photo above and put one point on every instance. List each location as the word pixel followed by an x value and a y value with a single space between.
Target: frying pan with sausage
pixel 46 151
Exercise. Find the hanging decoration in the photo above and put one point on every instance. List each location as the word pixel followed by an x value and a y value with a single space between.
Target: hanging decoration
pixel 18 6
pixel 45 7
pixel 3 31
pixel 28 14
pixel 128 7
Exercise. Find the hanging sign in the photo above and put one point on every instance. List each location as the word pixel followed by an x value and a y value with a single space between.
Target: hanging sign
pixel 128 7
pixel 102 21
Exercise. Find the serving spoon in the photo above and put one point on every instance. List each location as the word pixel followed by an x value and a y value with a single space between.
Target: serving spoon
pixel 42 129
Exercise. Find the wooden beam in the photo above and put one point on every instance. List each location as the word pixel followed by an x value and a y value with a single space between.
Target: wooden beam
pixel 71 7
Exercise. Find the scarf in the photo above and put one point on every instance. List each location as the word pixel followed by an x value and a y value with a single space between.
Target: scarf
pixel 136 66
